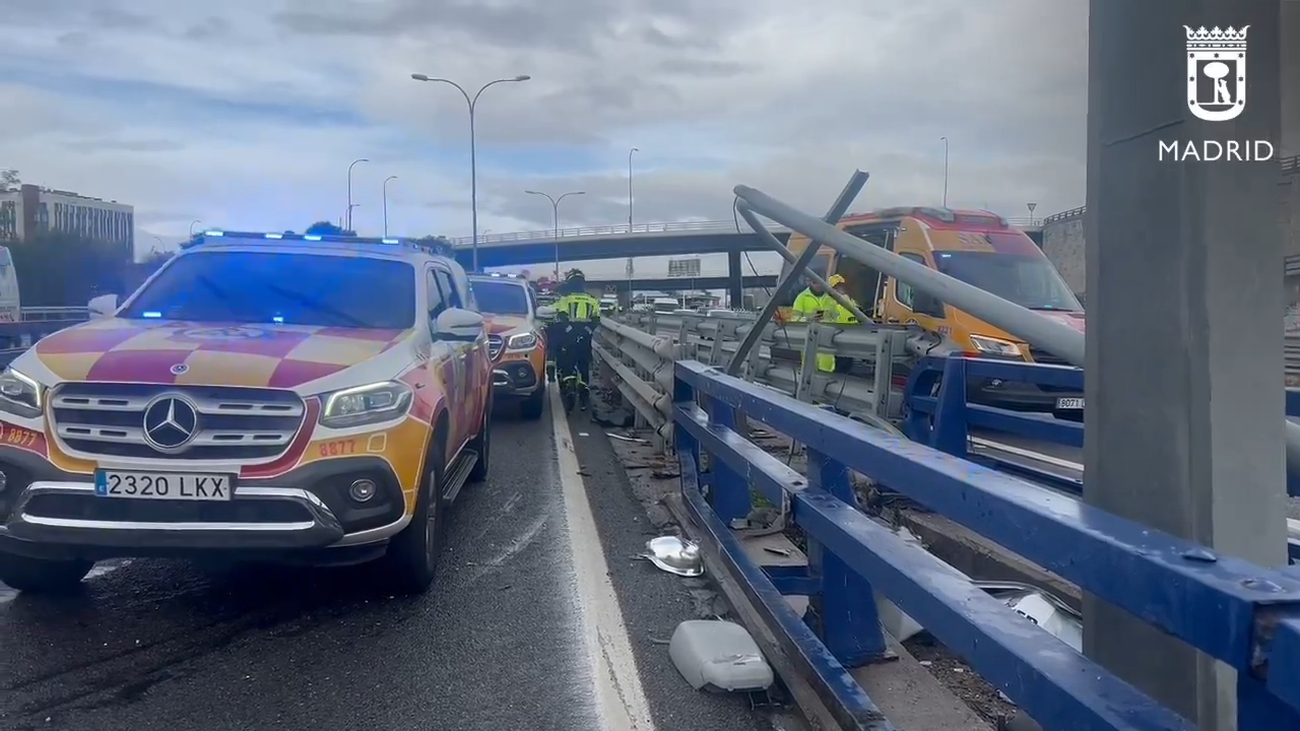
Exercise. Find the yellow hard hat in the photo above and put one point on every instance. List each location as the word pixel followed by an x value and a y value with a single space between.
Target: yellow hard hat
pixel 836 280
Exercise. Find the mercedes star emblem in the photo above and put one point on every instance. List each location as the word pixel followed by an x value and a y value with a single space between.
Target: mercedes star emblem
pixel 170 422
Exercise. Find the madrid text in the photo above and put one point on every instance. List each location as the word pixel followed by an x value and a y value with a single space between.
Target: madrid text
pixel 1216 151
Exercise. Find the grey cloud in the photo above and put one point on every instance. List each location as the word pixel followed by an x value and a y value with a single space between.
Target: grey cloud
pixel 114 18
pixel 568 25
pixel 792 109
pixel 75 39
pixel 701 67
pixel 102 144
pixel 211 28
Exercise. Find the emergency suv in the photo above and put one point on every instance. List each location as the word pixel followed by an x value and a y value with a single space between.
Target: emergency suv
pixel 262 397
pixel 516 339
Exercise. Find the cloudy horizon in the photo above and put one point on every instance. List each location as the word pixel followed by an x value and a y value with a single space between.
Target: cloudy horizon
pixel 248 117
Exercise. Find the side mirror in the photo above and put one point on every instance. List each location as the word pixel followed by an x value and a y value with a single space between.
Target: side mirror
pixel 102 306
pixel 546 312
pixel 460 326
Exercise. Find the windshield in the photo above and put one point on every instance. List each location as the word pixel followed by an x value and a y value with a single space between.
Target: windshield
pixel 296 289
pixel 1029 281
pixel 500 298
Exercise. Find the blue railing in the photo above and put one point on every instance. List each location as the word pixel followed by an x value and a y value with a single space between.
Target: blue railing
pixel 1244 615
pixel 939 412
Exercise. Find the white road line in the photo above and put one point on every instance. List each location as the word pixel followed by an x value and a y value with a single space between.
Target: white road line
pixel 1028 454
pixel 620 697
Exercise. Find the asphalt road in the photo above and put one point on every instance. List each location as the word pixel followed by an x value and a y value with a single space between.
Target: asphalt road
pixel 497 645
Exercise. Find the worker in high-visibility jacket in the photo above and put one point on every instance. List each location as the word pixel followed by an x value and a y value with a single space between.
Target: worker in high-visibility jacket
pixel 843 316
pixel 815 305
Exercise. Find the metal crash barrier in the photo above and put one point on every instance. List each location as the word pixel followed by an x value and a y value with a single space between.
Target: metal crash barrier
pixel 1246 616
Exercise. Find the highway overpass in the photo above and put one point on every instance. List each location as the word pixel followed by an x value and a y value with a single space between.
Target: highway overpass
pixel 679 283
pixel 674 238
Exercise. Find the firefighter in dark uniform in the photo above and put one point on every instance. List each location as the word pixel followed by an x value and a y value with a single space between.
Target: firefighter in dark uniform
pixel 576 316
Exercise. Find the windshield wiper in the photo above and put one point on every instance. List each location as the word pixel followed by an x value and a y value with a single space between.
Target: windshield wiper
pixel 318 306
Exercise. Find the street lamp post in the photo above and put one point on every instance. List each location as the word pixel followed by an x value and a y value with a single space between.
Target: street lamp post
pixel 555 212
pixel 194 223
pixel 629 268
pixel 350 205
pixel 390 177
pixel 472 103
pixel 945 171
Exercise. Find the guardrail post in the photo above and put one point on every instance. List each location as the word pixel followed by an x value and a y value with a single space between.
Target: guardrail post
pixel 844 613
pixel 950 433
pixel 808 368
pixel 729 493
pixel 684 443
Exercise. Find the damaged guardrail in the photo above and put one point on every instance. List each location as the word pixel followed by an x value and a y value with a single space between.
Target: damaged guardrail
pixel 637 352
pixel 1244 615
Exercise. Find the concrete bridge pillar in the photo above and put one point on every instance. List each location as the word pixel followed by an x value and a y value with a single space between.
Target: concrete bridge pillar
pixel 1184 359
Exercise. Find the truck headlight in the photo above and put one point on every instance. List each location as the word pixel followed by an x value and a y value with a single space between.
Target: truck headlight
pixel 370 404
pixel 522 341
pixel 20 394
pixel 994 346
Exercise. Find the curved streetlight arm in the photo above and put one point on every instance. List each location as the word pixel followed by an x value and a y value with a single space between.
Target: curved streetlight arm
pixel 471 101
pixel 547 196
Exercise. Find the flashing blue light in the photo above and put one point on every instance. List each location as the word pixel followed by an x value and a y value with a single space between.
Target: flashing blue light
pixel 390 241
pixel 274 236
pixel 278 320
pixel 214 233
pixel 311 237
pixel 152 315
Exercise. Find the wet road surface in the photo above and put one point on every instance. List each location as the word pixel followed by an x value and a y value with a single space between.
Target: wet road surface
pixel 497 645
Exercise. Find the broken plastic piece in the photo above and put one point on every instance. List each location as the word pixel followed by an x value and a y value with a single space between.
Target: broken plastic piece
pixel 714 655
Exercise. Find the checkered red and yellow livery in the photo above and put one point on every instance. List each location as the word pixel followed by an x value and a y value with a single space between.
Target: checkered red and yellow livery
pixel 300 398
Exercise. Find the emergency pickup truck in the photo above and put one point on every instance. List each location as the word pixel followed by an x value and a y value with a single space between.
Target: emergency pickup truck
pixel 516 339
pixel 267 397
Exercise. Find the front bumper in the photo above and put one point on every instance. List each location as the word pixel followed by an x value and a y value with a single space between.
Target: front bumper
pixel 1015 395
pixel 515 378
pixel 46 513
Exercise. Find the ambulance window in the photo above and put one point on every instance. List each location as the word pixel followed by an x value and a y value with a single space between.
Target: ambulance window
pixel 904 292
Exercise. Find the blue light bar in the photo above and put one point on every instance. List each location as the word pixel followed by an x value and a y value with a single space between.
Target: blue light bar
pixel 288 237
pixel 152 315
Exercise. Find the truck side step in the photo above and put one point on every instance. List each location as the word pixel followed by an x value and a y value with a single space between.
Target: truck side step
pixel 457 477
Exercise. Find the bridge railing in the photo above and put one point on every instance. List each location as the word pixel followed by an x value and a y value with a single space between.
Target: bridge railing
pixel 1247 616
pixel 1287 166
pixel 622 229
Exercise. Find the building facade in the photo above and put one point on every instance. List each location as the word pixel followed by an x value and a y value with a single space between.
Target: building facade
pixel 31 211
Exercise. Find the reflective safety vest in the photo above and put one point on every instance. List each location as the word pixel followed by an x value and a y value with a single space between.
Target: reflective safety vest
pixel 806 308
pixel 580 307
pixel 843 315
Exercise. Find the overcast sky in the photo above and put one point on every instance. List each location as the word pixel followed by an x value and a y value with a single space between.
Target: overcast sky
pixel 245 115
